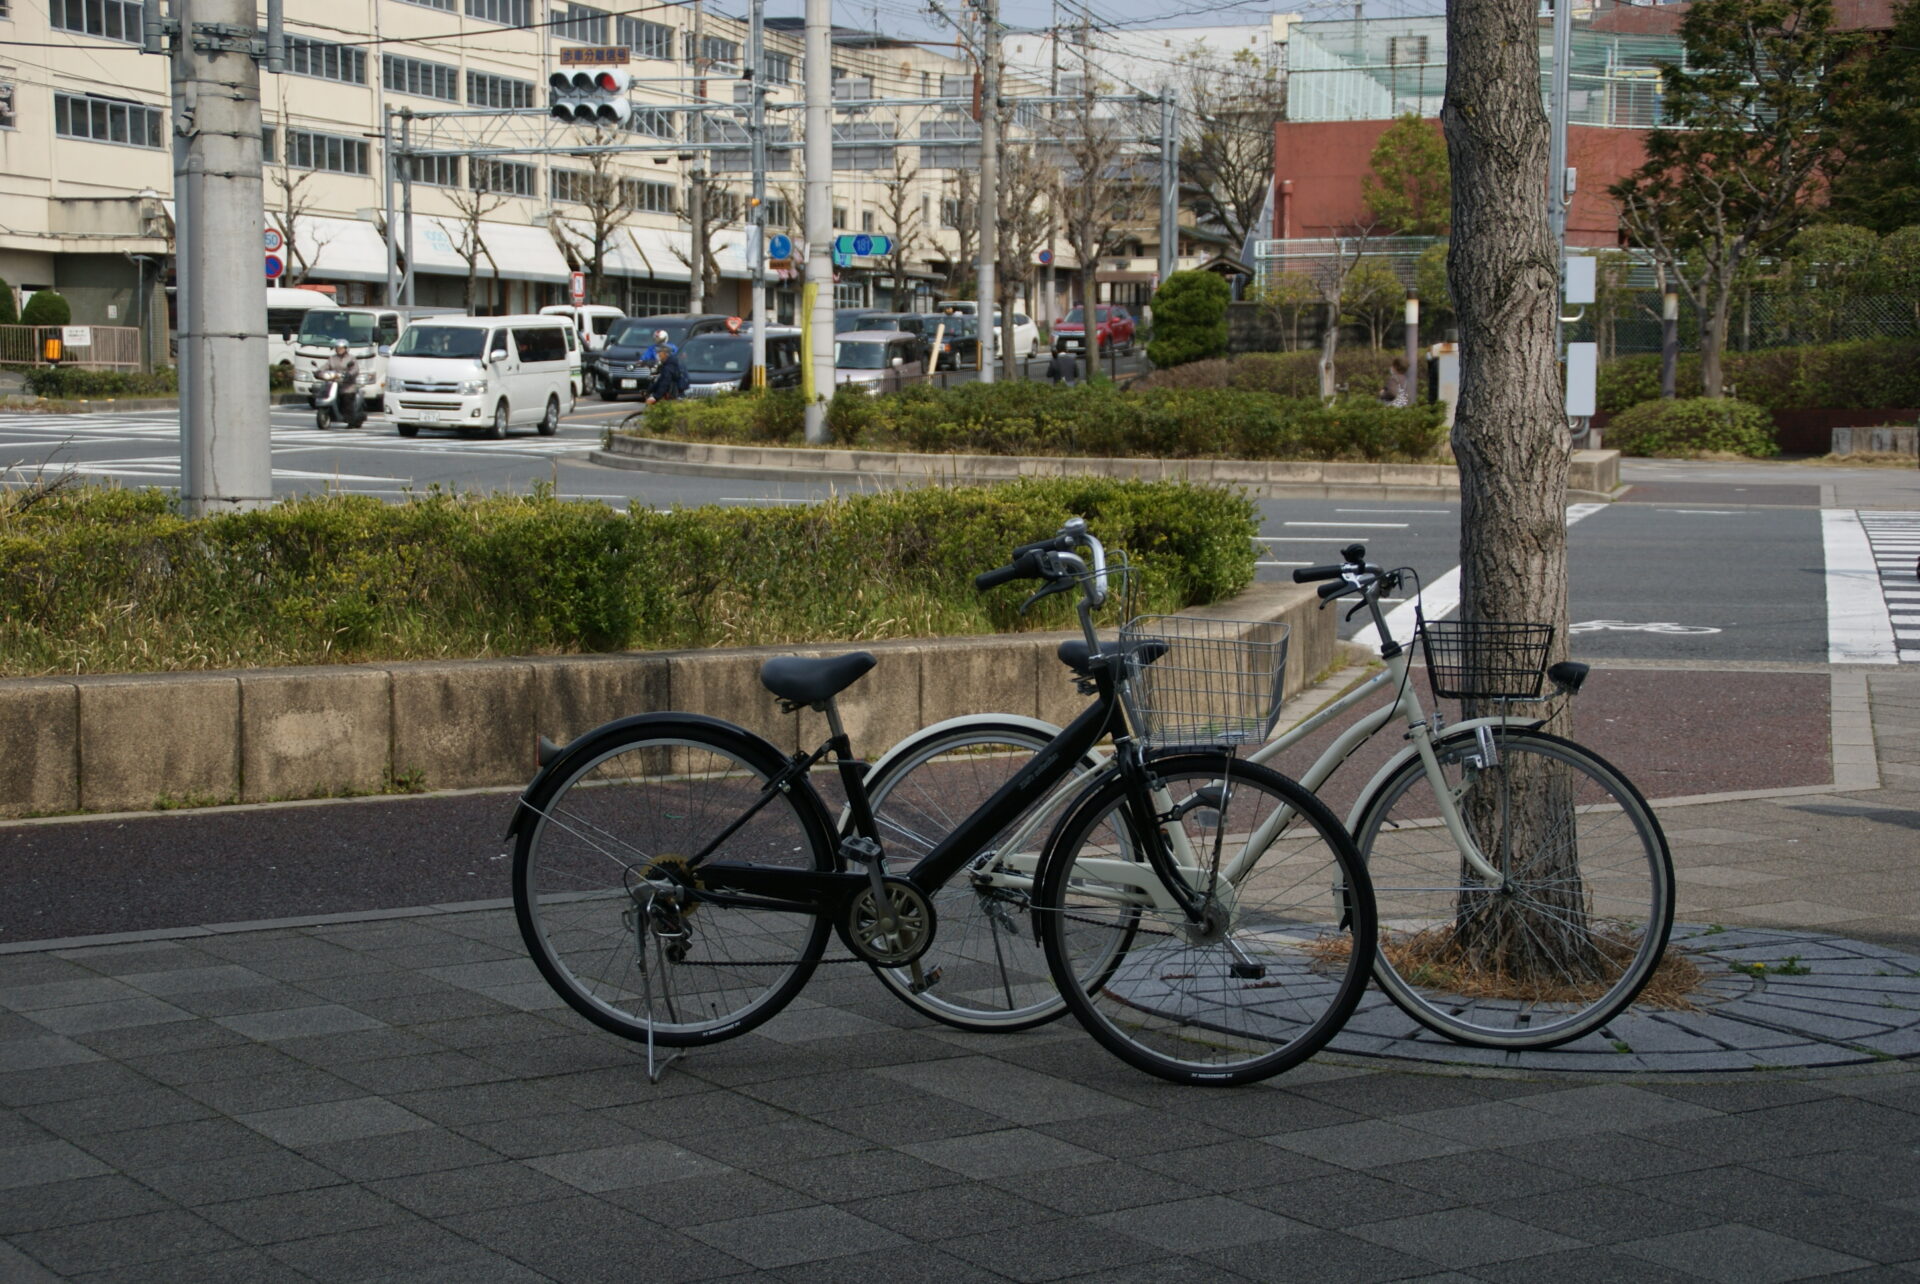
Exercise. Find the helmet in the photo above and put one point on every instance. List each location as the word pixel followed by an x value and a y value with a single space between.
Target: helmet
pixel 659 336
pixel 339 345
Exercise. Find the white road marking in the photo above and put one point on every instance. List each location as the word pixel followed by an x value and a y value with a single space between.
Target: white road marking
pixel 1357 526
pixel 1858 628
pixel 1416 512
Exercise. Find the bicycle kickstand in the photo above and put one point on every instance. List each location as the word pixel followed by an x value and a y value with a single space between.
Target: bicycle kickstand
pixel 655 1069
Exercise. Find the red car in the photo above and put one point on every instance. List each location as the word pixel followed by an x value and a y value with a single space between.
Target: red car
pixel 1115 330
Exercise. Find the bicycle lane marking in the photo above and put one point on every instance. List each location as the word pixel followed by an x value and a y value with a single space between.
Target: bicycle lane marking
pixel 1859 628
pixel 1442 597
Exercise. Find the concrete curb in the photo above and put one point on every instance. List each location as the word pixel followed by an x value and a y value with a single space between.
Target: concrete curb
pixel 1594 475
pixel 137 742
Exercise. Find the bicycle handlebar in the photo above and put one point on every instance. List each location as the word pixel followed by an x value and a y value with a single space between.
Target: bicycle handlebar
pixel 1308 574
pixel 1025 566
pixel 1053 559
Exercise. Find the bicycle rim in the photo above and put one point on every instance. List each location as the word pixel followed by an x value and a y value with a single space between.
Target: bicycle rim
pixel 1584 921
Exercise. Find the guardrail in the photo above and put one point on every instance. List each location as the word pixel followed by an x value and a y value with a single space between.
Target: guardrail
pixel 92 347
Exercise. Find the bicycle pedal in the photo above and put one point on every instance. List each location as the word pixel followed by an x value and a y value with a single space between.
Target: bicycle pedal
pixel 925 983
pixel 864 850
pixel 1247 971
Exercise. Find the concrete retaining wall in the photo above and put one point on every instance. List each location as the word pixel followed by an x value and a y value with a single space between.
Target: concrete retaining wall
pixel 1594 473
pixel 126 743
pixel 1885 439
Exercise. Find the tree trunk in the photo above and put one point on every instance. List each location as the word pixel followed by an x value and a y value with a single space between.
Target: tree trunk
pixel 1713 332
pixel 1329 344
pixel 1510 433
pixel 1090 313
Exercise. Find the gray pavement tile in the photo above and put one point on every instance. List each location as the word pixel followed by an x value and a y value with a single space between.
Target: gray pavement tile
pixel 344 1048
pixel 17 1130
pixel 1164 1270
pixel 273 997
pixel 66 1203
pixel 36 1053
pixel 1479 1177
pixel 1230 1166
pixel 1610 1156
pixel 232 1266
pixel 298 959
pixel 90 1075
pixel 1843 1121
pixel 116 1112
pixel 140 956
pixel 417 1073
pixel 135 1044
pixel 818 1233
pixel 1049 1250
pixel 561 1053
pixel 788 1140
pixel 501 968
pixel 177 1143
pixel 621 1086
pixel 584 1240
pixel 490 1102
pixel 1733 1139
pixel 198 1065
pixel 1320 1257
pixel 468 1190
pixel 301 1086
pixel 212 1181
pixel 1734 1192
pixel 834 1179
pixel 550 1134
pixel 324 1121
pixel 467 1033
pixel 1086 1189
pixel 1736 1254
pixel 37 969
pixel 900 1264
pixel 1191 1225
pixel 400 1154
pixel 802 1025
pixel 948 1211
pixel 1263 1110
pixel 1619 1106
pixel 820 1093
pixel 1001 1154
pixel 1346 1199
pixel 1581 1266
pixel 75 992
pixel 1368 1144
pixel 17 1268
pixel 296 1023
pixel 449 952
pixel 300 1214
pixel 391 983
pixel 1506 1123
pixel 636 1163
pixel 1376 1094
pixel 1883 1174
pixel 398 1251
pixel 1602 1214
pixel 722 1195
pixel 1874 1231
pixel 1137 1132
pixel 123 1241
pixel 931 1119
pixel 445 1004
pixel 1464 1237
pixel 1012 1093
pixel 690 1115
pixel 196 980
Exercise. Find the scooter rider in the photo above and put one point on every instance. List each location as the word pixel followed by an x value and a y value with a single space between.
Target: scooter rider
pixel 343 364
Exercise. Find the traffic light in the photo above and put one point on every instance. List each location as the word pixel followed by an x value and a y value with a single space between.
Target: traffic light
pixel 591 97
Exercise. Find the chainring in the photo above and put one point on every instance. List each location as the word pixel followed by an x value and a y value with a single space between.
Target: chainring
pixel 913 925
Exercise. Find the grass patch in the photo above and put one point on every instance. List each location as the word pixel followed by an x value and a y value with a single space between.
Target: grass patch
pixel 1434 959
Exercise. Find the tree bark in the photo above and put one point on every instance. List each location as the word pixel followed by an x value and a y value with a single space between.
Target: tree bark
pixel 1510 433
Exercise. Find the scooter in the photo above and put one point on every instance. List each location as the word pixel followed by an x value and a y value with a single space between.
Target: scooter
pixel 326 399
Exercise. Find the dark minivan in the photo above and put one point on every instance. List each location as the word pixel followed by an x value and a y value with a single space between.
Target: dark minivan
pixel 623 368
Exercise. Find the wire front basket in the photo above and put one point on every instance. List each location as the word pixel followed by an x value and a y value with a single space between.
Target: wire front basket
pixel 1204 682
pixel 1482 660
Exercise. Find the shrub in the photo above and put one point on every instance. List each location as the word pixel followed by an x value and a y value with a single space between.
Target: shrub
pixel 46 307
pixel 107 580
pixel 1297 374
pixel 73 382
pixel 1693 426
pixel 8 314
pixel 1189 319
pixel 1868 374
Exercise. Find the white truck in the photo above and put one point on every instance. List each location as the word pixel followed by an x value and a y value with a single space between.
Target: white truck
pixel 370 333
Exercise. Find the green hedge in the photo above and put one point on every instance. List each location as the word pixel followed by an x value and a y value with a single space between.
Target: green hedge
pixel 46 307
pixel 1871 374
pixel 1693 426
pixel 1095 420
pixel 1189 319
pixel 97 580
pixel 72 382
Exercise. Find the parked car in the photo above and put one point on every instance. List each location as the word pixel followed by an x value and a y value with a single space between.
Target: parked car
pixel 718 363
pixel 877 360
pixel 959 341
pixel 1026 335
pixel 483 374
pixel 1113 327
pixel 623 369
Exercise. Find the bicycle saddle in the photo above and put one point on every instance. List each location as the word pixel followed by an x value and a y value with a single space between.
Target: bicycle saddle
pixel 1076 655
pixel 803 681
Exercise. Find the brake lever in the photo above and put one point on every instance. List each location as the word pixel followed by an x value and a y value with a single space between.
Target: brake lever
pixel 1058 586
pixel 1358 607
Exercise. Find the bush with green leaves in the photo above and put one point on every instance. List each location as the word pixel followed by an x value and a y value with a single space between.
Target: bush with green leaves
pixel 1090 420
pixel 1189 319
pixel 8 314
pixel 107 580
pixel 1691 426
pixel 1868 374
pixel 72 382
pixel 46 307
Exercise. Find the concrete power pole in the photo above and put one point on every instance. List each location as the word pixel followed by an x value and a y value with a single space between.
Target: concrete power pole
pixel 818 294
pixel 757 229
pixel 226 463
pixel 697 189
pixel 1169 183
pixel 985 293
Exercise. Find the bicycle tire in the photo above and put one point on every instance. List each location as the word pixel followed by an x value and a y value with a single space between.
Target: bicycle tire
pixel 986 969
pixel 1257 993
pixel 657 792
pixel 1441 923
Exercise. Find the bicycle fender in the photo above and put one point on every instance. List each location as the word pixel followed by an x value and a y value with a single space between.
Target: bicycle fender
pixel 1452 731
pixel 557 763
pixel 912 742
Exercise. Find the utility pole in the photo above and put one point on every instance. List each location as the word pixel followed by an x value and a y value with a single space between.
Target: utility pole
pixel 989 182
pixel 697 217
pixel 226 461
pixel 1169 183
pixel 406 204
pixel 757 231
pixel 1049 305
pixel 386 172
pixel 1090 267
pixel 817 298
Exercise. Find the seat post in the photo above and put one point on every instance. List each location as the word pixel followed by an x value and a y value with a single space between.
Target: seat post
pixel 853 772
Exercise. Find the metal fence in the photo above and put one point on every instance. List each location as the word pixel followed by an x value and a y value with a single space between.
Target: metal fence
pixel 1626 322
pixel 91 347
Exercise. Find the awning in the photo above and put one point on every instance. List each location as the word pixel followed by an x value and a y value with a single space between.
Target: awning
pixel 435 244
pixel 730 253
pixel 643 253
pixel 339 249
pixel 655 247
pixel 524 253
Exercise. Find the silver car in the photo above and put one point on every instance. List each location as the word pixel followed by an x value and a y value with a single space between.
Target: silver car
pixel 877 360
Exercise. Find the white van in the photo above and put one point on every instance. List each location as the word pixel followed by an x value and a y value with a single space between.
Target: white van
pixel 286 310
pixel 592 320
pixel 482 374
pixel 370 334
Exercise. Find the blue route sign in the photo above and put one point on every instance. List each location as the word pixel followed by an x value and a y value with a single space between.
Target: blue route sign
pixel 863 244
pixel 780 247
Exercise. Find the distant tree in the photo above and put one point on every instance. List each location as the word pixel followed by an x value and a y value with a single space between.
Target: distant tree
pixel 1898 270
pixel 472 204
pixel 1189 319
pixel 606 200
pixel 960 212
pixel 1880 187
pixel 1829 266
pixel 1755 113
pixel 46 307
pixel 906 226
pixel 719 206
pixel 1373 298
pixel 1287 297
pixel 1227 116
pixel 8 314
pixel 1409 188
pixel 1436 296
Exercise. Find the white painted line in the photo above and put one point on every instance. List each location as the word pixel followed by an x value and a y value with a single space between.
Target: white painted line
pixel 1858 630
pixel 1357 526
pixel 1704 512
pixel 1417 512
pixel 1273 563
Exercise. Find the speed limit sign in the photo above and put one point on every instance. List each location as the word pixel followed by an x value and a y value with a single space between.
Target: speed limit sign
pixel 577 288
pixel 273 240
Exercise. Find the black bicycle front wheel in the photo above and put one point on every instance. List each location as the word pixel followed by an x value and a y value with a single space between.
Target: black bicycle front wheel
pixel 611 910
pixel 1279 956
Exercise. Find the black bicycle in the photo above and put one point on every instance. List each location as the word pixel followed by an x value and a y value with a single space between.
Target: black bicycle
pixel 676 877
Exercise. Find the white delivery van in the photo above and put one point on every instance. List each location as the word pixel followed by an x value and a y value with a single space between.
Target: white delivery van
pixel 481 374
pixel 592 320
pixel 370 334
pixel 286 310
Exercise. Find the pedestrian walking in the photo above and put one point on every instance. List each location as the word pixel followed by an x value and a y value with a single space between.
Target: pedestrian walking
pixel 1063 368
pixel 1398 390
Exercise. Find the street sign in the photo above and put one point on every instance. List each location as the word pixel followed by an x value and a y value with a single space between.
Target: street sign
pixel 1046 257
pixel 274 267
pixel 76 336
pixel 596 56
pixel 863 244
pixel 780 246
pixel 272 239
pixel 842 260
pixel 577 288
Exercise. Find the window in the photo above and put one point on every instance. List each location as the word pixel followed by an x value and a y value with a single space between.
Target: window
pixel 325 60
pixel 839 216
pixel 849 87
pixel 779 211
pixel 437 171
pixel 1406 51
pixel 268 138
pixel 108 120
pixel 511 13
pixel 713 53
pixel 6 106
pixel 108 19
pixel 722 205
pixel 509 178
pixel 486 90
pixel 846 156
pixel 329 152
pixel 580 23
pixel 727 131
pixel 655 198
pixel 647 39
pixel 779 68
pixel 866 220
pixel 653 301
pixel 570 186
pixel 957 87
pixel 963 153
pixel 540 343
pixel 448 6
pixel 421 78
pixel 950 211
pixel 654 122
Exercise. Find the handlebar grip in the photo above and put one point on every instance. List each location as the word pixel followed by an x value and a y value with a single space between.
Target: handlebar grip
pixel 1307 574
pixel 1024 567
pixel 1051 544
pixel 1335 589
